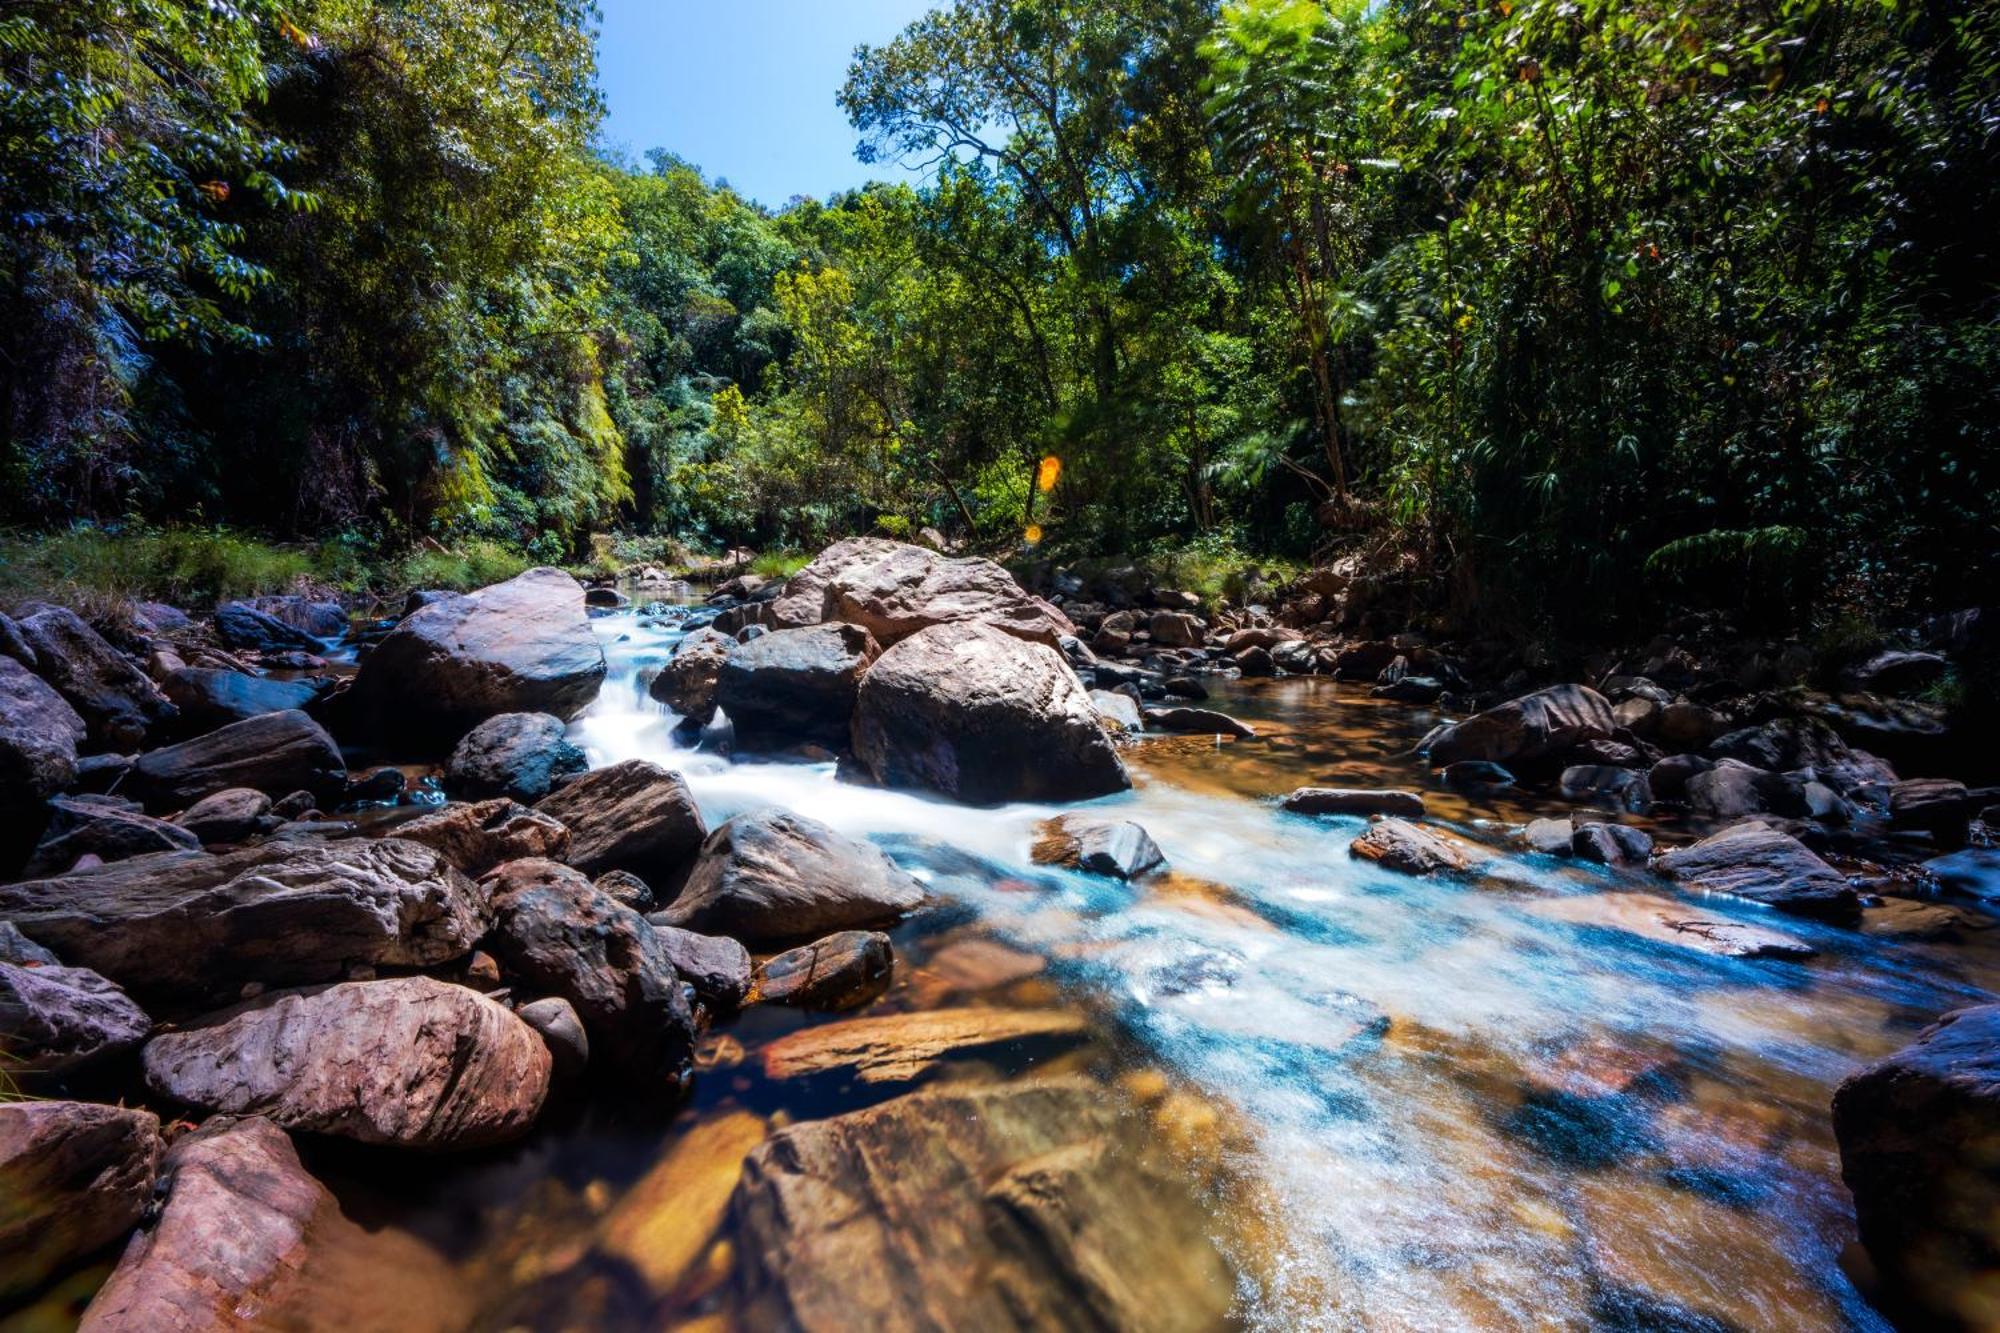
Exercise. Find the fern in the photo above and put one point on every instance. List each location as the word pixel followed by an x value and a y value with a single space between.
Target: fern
pixel 1705 552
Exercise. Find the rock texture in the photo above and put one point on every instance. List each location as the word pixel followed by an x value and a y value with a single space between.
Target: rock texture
pixel 687 682
pixel 1198 722
pixel 210 697
pixel 246 1238
pixel 895 590
pixel 842 971
pixel 1763 865
pixel 74 1176
pixel 411 1062
pixel 1531 727
pixel 105 828
pixel 522 756
pixel 1035 1206
pixel 557 934
pixel 977 714
pixel 1118 848
pixel 1651 917
pixel 1919 1136
pixel 1396 844
pixel 241 625
pixel 477 837
pixel 39 734
pixel 716 966
pixel 523 646
pixel 187 926
pixel 902 1048
pixel 771 875
pixel 1354 801
pixel 793 686
pixel 117 701
pixel 277 753
pixel 230 815
pixel 54 1018
pixel 632 816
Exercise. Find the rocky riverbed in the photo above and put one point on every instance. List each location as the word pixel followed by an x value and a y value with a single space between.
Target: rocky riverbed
pixel 895 946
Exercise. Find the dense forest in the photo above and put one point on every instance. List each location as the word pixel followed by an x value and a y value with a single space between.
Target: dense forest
pixel 1577 305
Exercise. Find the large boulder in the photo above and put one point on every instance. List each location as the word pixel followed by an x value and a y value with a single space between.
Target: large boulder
pixel 557 933
pixel 74 1176
pixel 687 682
pixel 895 590
pixel 793 686
pixel 1534 726
pixel 632 816
pixel 716 966
pixel 209 697
pixel 54 1018
pixel 241 625
pixel 190 926
pixel 104 827
pixel 519 755
pixel 771 875
pixel 39 735
pixel 1761 864
pixel 277 753
pixel 243 1237
pixel 411 1062
pixel 975 713
pixel 1028 1215
pixel 1919 1136
pixel 523 646
pixel 118 702
pixel 477 837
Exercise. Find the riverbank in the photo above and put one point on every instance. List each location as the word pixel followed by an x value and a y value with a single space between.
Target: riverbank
pixel 1442 1068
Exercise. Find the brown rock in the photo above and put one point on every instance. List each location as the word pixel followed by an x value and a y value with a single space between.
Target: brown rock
pixel 1025 1206
pixel 411 1062
pixel 632 816
pixel 1118 848
pixel 1669 921
pixel 275 753
pixel 666 1221
pixel 843 971
pixel 686 683
pixel 245 1238
pixel 902 1048
pixel 230 815
pixel 518 755
pixel 74 1176
pixel 107 829
pixel 894 590
pixel 475 838
pixel 1354 801
pixel 1396 844
pixel 1531 727
pixel 56 1018
pixel 189 926
pixel 1197 722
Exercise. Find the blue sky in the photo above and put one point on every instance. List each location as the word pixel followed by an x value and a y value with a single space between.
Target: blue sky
pixel 744 89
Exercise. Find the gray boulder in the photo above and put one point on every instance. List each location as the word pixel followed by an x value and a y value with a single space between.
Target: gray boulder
pixel 117 701
pixel 104 827
pixel 632 816
pixel 794 685
pixel 687 682
pixel 209 698
pixel 523 756
pixel 1531 727
pixel 276 753
pixel 1764 865
pixel 54 1019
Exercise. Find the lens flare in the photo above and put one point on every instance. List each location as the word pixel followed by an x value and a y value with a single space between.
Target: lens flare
pixel 1034 534
pixel 1051 469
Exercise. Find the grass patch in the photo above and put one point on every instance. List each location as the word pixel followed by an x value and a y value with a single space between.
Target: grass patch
pixel 780 564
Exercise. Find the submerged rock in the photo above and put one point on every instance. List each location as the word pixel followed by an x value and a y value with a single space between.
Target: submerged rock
pixel 1115 847
pixel 245 1237
pixel 667 1220
pixel 74 1176
pixel 411 1062
pixel 1763 865
pixel 276 753
pixel 1410 849
pixel 842 971
pixel 903 1048
pixel 1919 1136
pixel 1034 1206
pixel 1649 916
pixel 979 715
pixel 522 756
pixel 632 816
pixel 523 646
pixel 188 926
pixel 1531 727
pixel 771 875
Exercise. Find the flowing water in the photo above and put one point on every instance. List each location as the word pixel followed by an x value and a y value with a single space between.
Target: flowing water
pixel 1409 1104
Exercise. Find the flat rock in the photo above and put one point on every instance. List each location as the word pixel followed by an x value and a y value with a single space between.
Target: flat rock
pixel 557 934
pixel 1120 712
pixel 54 1019
pixel 902 1048
pixel 667 1220
pixel 117 701
pixel 245 1238
pixel 230 815
pixel 410 1062
pixel 1118 848
pixel 1023 1206
pixel 842 971
pixel 1197 722
pixel 522 756
pixel 974 713
pixel 1670 921
pixel 1917 1134
pixel 773 876
pixel 1411 849
pixel 277 753
pixel 523 646
pixel 74 1176
pixel 1354 801
pixel 211 697
pixel 1765 866
pixel 187 926
pixel 632 816
pixel 477 837
pixel 795 686
pixel 1531 727
pixel 687 682
pixel 90 826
